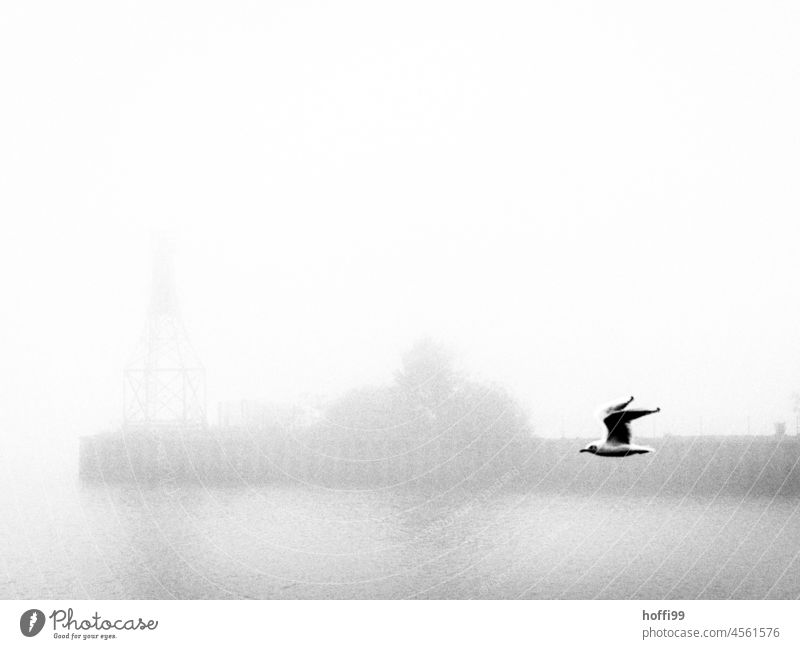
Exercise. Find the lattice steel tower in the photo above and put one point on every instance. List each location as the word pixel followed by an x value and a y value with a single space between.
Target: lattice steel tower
pixel 165 383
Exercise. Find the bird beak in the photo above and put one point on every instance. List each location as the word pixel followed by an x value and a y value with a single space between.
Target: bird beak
pixel 584 450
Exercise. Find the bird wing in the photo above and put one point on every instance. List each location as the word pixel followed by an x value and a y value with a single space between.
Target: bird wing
pixel 619 430
pixel 606 409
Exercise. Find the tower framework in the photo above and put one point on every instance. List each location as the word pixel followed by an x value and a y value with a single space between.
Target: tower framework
pixel 164 385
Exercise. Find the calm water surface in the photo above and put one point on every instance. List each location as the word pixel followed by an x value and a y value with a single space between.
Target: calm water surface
pixel 61 540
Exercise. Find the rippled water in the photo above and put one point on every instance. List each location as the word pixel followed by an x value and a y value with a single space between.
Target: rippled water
pixel 61 540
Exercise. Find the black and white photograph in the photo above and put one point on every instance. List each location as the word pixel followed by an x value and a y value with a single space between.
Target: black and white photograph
pixel 309 300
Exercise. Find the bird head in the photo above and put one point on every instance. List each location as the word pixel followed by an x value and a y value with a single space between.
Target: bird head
pixel 592 448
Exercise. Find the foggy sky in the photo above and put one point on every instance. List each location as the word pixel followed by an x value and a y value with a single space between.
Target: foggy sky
pixel 584 200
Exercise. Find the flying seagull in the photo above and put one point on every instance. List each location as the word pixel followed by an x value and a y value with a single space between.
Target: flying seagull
pixel 618 441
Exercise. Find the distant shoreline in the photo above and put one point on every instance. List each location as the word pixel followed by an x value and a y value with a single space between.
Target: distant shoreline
pixel 734 465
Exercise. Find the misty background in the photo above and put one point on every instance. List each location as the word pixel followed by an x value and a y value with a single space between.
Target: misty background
pixel 570 202
pixel 583 201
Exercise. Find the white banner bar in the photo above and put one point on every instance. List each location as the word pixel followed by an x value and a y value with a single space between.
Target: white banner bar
pixel 401 624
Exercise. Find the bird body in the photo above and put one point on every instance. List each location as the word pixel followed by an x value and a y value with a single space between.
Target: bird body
pixel 617 443
pixel 606 449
